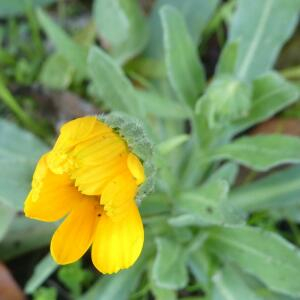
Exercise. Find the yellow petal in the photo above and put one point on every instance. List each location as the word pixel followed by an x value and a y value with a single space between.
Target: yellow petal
pixel 91 180
pixel 118 195
pixel 100 149
pixel 52 196
pixel 117 245
pixel 73 133
pixel 82 129
pixel 136 168
pixel 75 235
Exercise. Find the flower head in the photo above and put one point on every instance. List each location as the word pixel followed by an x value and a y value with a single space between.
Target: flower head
pixel 91 179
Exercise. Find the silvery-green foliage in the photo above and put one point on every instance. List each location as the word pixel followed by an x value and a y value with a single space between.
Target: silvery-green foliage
pixel 110 83
pixel 185 72
pixel 17 163
pixel 263 254
pixel 123 27
pixel 207 228
pixel 196 15
pixel 19 7
pixel 261 29
pixel 227 99
pixel 74 53
pixel 260 152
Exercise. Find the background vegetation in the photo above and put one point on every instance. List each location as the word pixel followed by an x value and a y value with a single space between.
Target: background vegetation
pixel 216 86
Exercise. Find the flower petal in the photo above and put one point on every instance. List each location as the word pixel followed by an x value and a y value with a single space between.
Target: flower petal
pixel 71 134
pixel 136 168
pixel 100 149
pixel 82 129
pixel 52 196
pixel 118 195
pixel 117 245
pixel 91 180
pixel 75 235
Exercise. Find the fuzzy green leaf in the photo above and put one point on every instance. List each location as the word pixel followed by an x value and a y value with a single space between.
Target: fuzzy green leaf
pixel 271 94
pixel 201 206
pixel 169 270
pixel 225 100
pixel 227 172
pixel 119 286
pixel 184 69
pixel 111 84
pixel 266 255
pixel 171 144
pixel 74 277
pixel 261 28
pixel 278 191
pixel 161 293
pixel 75 54
pixel 56 72
pixel 227 61
pixel 24 236
pixel 196 14
pixel 122 26
pixel 261 152
pixel 7 214
pixel 45 293
pixel 158 106
pixel 205 206
pixel 229 285
pixel 17 163
pixel 42 271
pixel 200 266
pixel 17 7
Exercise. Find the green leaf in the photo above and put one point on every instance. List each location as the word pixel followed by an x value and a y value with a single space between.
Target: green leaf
pixel 227 172
pixel 205 206
pixel 185 72
pixel 45 294
pixel 111 84
pixel 65 45
pixel 56 73
pixel 227 61
pixel 265 255
pixel 74 277
pixel 24 236
pixel 201 206
pixel 196 13
pixel 169 270
pixel 161 293
pixel 156 204
pixel 122 26
pixel 261 152
pixel 278 191
pixel 261 28
pixel 119 286
pixel 271 94
pixel 17 7
pixel 229 285
pixel 7 214
pixel 225 100
pixel 41 272
pixel 171 144
pixel 157 105
pixel 199 264
pixel 17 162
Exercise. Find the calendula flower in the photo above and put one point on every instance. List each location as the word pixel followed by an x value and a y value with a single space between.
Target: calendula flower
pixel 91 179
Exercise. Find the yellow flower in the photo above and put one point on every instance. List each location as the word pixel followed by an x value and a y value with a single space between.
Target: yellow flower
pixel 91 178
